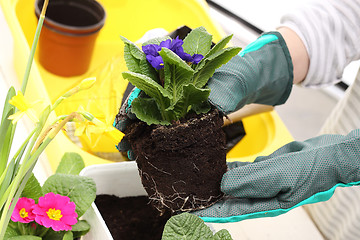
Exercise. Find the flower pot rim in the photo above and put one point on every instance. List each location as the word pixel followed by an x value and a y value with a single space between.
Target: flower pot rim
pixel 70 30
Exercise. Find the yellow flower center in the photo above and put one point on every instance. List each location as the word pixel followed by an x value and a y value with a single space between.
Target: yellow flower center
pixel 54 214
pixel 23 213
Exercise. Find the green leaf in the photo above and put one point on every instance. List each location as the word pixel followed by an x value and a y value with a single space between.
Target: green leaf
pixel 177 73
pixel 223 234
pixel 186 226
pixel 81 190
pixel 203 107
pixel 151 88
pixel 32 189
pixel 147 70
pixel 147 110
pixel 52 235
pixel 132 55
pixel 6 130
pixel 219 46
pixel 148 85
pixel 25 237
pixel 68 235
pixel 10 232
pixel 71 163
pixel 211 63
pixel 80 228
pixel 156 40
pixel 198 41
pixel 191 95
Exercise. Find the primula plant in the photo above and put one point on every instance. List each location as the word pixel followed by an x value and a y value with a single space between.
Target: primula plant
pixel 173 74
pixel 53 210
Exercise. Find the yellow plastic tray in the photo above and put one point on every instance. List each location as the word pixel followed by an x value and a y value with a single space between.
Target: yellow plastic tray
pixel 265 132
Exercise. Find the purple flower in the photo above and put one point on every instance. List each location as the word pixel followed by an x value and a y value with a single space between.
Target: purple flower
pixel 156 62
pixel 196 58
pixel 151 49
pixel 152 52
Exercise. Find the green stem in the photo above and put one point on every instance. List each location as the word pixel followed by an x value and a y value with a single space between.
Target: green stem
pixel 33 47
pixel 18 154
pixel 22 228
pixel 14 187
pixel 43 232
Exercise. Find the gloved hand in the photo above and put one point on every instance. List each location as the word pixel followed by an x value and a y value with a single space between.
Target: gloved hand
pixel 261 73
pixel 124 118
pixel 296 174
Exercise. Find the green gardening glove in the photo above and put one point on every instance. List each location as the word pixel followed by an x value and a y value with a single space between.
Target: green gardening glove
pixel 298 173
pixel 261 73
pixel 124 119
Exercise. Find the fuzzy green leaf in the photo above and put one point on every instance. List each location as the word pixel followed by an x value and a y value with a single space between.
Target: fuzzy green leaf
pixel 25 237
pixel 156 40
pixel 211 63
pixel 68 235
pixel 150 87
pixel 219 45
pixel 71 163
pixel 147 70
pixel 136 61
pixel 11 231
pixel 32 189
pixel 191 95
pixel 198 41
pixel 80 228
pixel 223 234
pixel 203 107
pixel 132 55
pixel 54 235
pixel 177 73
pixel 186 226
pixel 81 190
pixel 147 110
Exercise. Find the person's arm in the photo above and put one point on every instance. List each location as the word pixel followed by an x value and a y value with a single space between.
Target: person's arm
pixel 298 53
pixel 330 31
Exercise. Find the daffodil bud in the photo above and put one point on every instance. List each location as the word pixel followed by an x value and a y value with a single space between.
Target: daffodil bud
pixel 87 83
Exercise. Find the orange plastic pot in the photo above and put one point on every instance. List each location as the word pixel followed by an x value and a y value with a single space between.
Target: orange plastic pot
pixel 69 34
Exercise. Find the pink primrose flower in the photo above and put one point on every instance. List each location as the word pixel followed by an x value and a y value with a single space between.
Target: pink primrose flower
pixel 55 211
pixel 23 210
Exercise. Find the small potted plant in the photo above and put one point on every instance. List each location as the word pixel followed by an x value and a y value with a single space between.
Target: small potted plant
pixel 178 141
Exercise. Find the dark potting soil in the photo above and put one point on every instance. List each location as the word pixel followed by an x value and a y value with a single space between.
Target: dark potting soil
pixel 131 218
pixel 181 166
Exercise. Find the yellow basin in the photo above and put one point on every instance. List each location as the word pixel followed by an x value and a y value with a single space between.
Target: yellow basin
pixel 131 19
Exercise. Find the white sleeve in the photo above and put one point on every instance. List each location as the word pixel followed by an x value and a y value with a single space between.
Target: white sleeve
pixel 330 30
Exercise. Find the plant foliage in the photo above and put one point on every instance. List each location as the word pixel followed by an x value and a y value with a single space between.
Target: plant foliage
pixel 190 227
pixel 177 84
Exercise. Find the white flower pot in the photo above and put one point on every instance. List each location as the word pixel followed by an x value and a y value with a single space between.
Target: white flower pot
pixel 119 179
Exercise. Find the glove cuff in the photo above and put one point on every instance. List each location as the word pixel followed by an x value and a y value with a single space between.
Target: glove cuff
pixel 290 68
pixel 270 59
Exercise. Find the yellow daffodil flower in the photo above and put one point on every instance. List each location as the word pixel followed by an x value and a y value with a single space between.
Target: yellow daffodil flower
pixel 24 107
pixel 92 125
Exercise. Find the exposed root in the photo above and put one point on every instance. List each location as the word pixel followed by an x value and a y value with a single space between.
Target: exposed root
pixel 178 201
pixel 160 170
